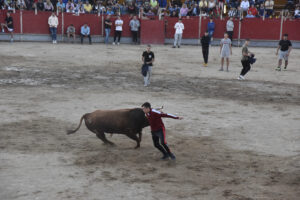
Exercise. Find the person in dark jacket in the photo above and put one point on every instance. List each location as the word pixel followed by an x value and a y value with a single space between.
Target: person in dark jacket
pixel 205 41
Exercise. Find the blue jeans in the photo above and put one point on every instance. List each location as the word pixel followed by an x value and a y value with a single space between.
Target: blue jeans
pixel 107 32
pixel 53 32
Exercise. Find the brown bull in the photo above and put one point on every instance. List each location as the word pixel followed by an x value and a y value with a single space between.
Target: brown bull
pixel 126 121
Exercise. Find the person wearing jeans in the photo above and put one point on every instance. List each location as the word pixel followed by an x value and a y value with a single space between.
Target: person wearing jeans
pixel 53 23
pixel 107 26
pixel 148 59
pixel 178 33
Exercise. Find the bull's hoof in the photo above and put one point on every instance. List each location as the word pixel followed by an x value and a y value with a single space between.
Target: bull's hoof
pixel 137 147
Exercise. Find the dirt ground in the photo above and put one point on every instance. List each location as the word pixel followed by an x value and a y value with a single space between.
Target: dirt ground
pixel 237 141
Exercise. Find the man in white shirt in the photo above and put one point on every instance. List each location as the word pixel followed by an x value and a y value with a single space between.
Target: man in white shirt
pixel 245 5
pixel 178 33
pixel 53 23
pixel 118 30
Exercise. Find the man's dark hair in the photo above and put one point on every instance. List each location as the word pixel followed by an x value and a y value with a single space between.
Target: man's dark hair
pixel 146 105
pixel 286 34
pixel 149 45
pixel 247 39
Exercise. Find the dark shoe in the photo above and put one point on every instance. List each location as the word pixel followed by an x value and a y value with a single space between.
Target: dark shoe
pixel 178 46
pixel 172 156
pixel 173 47
pixel 165 157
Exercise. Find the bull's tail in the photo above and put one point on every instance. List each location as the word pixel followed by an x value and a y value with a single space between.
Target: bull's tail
pixel 73 131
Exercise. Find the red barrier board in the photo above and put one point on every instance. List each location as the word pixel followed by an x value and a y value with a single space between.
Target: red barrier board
pixel 152 32
pixel 268 29
pixel 191 27
pixel 292 28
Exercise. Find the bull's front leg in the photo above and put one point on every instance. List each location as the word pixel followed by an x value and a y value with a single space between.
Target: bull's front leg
pixel 140 136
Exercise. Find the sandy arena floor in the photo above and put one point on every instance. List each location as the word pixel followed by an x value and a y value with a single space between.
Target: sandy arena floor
pixel 238 140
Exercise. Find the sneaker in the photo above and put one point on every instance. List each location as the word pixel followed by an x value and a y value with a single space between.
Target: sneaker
pixel 3 30
pixel 205 64
pixel 11 40
pixel 227 70
pixel 165 157
pixel 114 43
pixel 173 47
pixel 54 42
pixel 241 77
pixel 221 69
pixel 284 68
pixel 118 43
pixel 278 69
pixel 172 156
pixel 178 46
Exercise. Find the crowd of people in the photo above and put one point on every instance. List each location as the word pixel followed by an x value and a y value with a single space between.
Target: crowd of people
pixel 173 8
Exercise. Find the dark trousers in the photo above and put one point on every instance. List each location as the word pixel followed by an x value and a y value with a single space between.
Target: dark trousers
pixel 159 141
pixel 205 51
pixel 230 35
pixel 117 34
pixel 53 31
pixel 134 36
pixel 89 36
pixel 246 67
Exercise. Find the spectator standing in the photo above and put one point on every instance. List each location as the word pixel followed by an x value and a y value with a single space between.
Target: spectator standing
pixel 158 129
pixel 107 26
pixel 211 28
pixel 148 59
pixel 225 51
pixel 205 41
pixel 53 23
pixel 285 47
pixel 134 26
pixel 246 54
pixel 232 12
pixel 118 30
pixel 261 10
pixel 71 32
pixel 245 5
pixel 211 7
pixel 85 31
pixel 230 27
pixel 9 25
pixel 179 27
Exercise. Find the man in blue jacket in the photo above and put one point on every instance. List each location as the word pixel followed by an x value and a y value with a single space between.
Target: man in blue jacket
pixel 85 32
pixel 211 28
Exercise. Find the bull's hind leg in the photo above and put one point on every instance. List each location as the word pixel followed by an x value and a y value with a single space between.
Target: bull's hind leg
pixel 140 136
pixel 135 138
pixel 101 136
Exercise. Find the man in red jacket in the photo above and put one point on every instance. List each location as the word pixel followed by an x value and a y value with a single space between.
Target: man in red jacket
pixel 158 129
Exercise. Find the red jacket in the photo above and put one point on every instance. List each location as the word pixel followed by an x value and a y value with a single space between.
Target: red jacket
pixel 253 11
pixel 155 121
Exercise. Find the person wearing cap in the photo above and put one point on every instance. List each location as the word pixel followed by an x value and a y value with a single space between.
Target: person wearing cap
pixel 285 47
pixel 148 59
pixel 179 26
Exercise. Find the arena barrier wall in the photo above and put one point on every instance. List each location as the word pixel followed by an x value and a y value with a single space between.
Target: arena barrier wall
pixel 155 30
